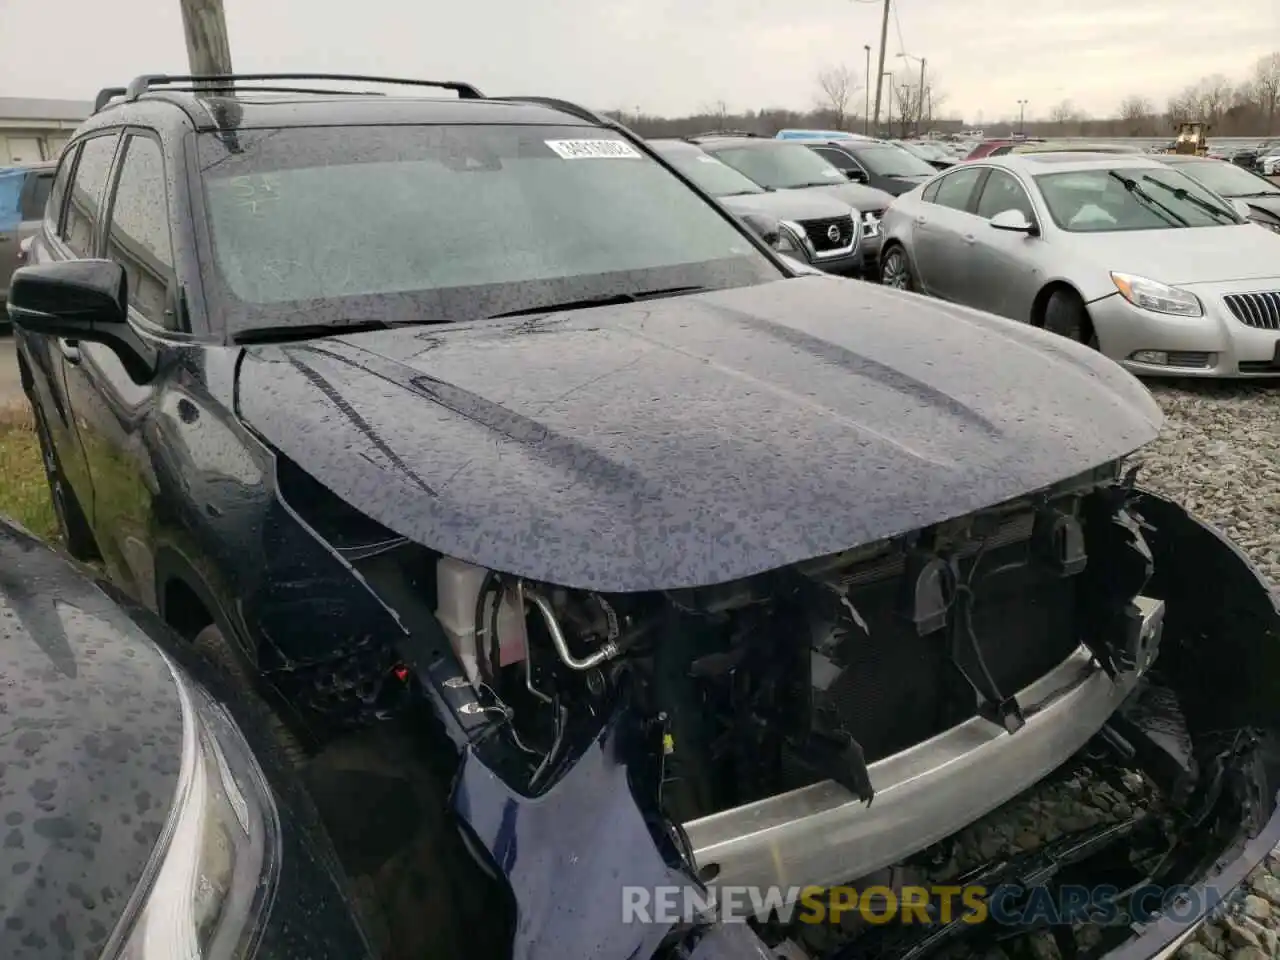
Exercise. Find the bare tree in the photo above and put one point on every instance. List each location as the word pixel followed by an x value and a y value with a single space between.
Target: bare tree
pixel 838 85
pixel 1266 87
pixel 1136 113
pixel 1215 96
pixel 915 105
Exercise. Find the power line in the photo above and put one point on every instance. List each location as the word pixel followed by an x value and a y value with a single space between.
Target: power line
pixel 897 24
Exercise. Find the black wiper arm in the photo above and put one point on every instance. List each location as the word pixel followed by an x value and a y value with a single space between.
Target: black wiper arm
pixel 607 301
pixel 1132 186
pixel 1204 205
pixel 307 331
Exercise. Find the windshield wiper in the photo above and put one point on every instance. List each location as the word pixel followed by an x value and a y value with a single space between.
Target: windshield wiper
pixel 1132 186
pixel 607 301
pixel 1205 205
pixel 307 331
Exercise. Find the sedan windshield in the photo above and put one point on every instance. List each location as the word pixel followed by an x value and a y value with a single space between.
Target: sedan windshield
pixel 887 160
pixel 781 165
pixel 1228 180
pixel 1104 200
pixel 351 225
pixel 718 179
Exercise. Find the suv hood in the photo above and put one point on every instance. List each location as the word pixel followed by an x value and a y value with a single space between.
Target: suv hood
pixel 695 440
pixel 788 205
pixel 1199 255
pixel 854 195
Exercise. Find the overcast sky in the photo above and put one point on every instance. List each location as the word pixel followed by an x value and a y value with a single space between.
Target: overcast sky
pixel 663 56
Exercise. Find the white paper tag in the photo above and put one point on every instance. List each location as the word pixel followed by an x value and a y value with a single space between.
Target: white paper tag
pixel 593 149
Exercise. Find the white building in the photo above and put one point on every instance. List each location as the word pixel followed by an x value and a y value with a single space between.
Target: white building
pixel 33 130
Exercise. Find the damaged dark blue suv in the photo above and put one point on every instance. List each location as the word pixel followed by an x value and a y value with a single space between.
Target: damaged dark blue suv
pixel 608 581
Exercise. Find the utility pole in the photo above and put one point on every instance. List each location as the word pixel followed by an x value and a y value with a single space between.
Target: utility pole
pixel 889 122
pixel 205 26
pixel 920 105
pixel 884 38
pixel 866 94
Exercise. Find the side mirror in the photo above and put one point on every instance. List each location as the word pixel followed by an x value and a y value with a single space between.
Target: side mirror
pixel 81 300
pixel 856 175
pixel 72 298
pixel 1242 208
pixel 1014 221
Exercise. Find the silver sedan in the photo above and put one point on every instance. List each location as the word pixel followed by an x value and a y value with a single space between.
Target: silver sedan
pixel 1124 253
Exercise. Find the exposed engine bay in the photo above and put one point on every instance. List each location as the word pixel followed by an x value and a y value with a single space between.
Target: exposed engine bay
pixel 818 672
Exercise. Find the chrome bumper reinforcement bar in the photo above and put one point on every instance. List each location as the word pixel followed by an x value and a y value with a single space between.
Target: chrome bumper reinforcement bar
pixel 821 835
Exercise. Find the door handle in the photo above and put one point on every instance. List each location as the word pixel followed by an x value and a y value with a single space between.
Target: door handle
pixel 970 238
pixel 70 349
pixel 922 219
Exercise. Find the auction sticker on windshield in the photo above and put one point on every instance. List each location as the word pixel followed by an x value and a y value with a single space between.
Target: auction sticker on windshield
pixel 593 149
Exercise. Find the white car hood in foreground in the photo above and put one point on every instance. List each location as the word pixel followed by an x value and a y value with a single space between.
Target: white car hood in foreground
pixel 1182 256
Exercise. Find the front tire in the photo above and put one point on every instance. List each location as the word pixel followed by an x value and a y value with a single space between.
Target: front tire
pixel 1066 315
pixel 895 269
pixel 211 644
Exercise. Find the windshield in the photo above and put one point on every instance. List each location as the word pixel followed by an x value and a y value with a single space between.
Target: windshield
pixel 1130 198
pixel 781 165
pixel 891 161
pixel 926 151
pixel 1227 179
pixel 718 179
pixel 392 224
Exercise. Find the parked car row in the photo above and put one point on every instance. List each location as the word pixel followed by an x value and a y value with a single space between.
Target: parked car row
pixel 1136 256
pixel 549 536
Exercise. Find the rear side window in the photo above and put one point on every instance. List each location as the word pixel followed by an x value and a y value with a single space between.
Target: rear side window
pixel 35 195
pixel 58 191
pixel 138 236
pixel 955 190
pixel 84 211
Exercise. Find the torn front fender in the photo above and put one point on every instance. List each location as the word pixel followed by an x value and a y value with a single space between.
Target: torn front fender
pixel 1222 642
pixel 570 854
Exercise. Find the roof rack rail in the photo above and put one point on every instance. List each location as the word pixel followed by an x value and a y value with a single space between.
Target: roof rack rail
pixel 105 96
pixel 216 87
pixel 566 106
pixel 723 133
pixel 140 85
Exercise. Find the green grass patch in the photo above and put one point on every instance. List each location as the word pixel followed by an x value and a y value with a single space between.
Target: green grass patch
pixel 24 494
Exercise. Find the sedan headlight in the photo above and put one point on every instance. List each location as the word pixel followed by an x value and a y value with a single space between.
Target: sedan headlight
pixel 212 876
pixel 1157 297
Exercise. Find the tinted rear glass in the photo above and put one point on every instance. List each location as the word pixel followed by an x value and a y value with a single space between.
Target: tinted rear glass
pixel 37 196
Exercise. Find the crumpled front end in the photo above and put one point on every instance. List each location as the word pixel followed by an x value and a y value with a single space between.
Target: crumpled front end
pixel 1167 767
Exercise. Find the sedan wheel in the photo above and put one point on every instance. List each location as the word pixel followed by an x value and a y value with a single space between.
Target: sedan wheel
pixel 895 271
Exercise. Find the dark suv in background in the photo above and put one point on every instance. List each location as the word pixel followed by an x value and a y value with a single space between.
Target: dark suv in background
pixel 877 163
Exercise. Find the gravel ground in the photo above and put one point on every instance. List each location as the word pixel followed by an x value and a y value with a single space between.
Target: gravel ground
pixel 1219 456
